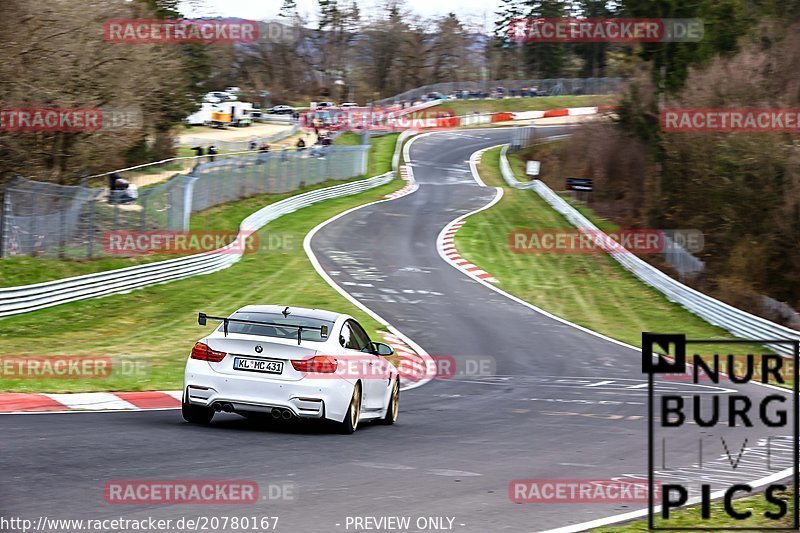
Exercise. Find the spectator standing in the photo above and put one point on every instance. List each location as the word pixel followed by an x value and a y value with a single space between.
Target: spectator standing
pixel 212 151
pixel 263 155
pixel 112 186
pixel 198 150
pixel 130 194
pixel 121 195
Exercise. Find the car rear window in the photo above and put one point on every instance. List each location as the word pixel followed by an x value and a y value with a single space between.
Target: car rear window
pixel 277 331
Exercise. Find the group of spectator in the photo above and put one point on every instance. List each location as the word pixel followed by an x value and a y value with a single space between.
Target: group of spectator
pixel 323 139
pixel 200 151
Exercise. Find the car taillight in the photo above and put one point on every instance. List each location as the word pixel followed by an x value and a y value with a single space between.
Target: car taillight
pixel 319 364
pixel 202 352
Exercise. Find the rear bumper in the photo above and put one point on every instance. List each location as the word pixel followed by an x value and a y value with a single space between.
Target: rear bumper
pixel 305 398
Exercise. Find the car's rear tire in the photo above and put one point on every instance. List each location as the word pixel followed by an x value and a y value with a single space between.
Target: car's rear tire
pixel 196 414
pixel 350 423
pixel 393 409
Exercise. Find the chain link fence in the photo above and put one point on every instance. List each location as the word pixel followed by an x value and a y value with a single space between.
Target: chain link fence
pixel 50 220
pixel 483 89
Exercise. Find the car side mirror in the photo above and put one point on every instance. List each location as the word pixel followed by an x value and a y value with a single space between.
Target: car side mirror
pixel 379 348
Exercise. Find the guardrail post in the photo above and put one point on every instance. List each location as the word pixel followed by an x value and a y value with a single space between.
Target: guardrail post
pixel 188 189
pixel 62 244
pixel 90 240
pixel 3 223
pixel 35 232
pixel 143 218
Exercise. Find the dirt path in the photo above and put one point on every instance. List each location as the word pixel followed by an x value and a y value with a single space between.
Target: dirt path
pixel 232 134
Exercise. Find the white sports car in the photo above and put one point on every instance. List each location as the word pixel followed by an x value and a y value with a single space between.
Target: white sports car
pixel 290 363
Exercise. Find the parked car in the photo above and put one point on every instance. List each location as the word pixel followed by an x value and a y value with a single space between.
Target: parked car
pixel 216 97
pixel 280 110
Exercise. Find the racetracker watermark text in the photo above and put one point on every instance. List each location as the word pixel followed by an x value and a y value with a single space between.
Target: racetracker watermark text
pixel 640 241
pixel 194 492
pixel 577 491
pixel 743 120
pixel 146 31
pixel 609 30
pixel 86 119
pixel 179 242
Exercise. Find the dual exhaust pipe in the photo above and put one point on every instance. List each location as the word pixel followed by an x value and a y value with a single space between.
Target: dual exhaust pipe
pixel 227 407
pixel 277 413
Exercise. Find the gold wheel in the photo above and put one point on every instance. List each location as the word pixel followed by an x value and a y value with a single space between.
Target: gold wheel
pixel 394 406
pixel 355 408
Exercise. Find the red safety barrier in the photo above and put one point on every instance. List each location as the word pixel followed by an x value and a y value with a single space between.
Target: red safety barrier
pixel 556 113
pixel 502 117
pixel 448 122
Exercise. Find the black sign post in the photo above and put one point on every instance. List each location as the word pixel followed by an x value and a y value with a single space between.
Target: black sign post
pixel 580 185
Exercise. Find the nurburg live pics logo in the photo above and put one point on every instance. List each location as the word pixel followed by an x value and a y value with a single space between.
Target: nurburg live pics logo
pixel 719 415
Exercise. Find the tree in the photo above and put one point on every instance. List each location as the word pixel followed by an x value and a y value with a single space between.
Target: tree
pixel 546 60
pixel 66 63
pixel 447 51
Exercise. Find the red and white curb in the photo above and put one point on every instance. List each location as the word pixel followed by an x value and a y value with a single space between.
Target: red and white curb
pixel 445 243
pixel 412 370
pixel 448 248
pixel 408 176
pixel 411 366
pixel 11 403
pixel 568 112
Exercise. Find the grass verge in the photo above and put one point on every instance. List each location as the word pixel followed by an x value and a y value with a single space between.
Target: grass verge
pixel 590 289
pixel 380 159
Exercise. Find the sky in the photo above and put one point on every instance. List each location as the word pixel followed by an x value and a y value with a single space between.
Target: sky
pixel 477 12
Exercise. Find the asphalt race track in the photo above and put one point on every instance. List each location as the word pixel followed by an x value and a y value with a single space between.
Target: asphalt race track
pixel 561 403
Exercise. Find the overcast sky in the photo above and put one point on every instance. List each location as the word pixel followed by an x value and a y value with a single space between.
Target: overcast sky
pixel 473 11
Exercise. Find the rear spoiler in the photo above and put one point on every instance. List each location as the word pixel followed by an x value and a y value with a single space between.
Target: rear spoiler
pixel 202 318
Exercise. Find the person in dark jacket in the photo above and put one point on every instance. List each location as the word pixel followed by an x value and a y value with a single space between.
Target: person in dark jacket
pixel 212 151
pixel 112 187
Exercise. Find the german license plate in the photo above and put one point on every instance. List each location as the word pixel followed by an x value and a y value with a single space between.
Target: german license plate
pixel 258 365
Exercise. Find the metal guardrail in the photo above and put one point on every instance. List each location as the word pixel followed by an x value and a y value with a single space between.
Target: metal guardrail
pixel 740 323
pixel 550 86
pixel 398 147
pixel 23 299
